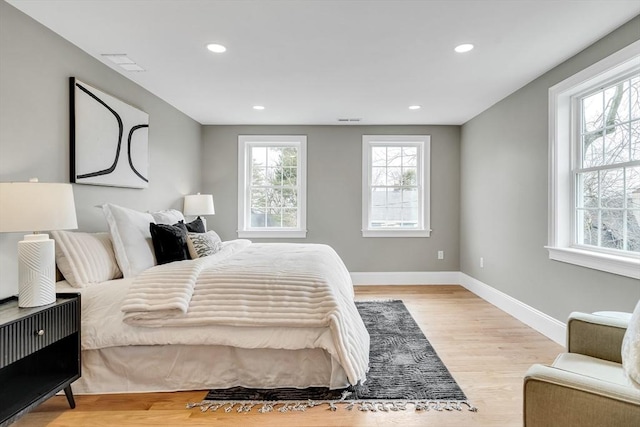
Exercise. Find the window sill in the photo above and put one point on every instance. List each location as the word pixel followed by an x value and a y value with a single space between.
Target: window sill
pixel 272 234
pixel 396 233
pixel 623 266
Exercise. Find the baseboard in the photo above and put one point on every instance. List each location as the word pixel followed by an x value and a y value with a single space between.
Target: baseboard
pixel 406 278
pixel 546 325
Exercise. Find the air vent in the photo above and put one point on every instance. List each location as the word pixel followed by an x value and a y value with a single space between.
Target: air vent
pixel 349 120
pixel 122 60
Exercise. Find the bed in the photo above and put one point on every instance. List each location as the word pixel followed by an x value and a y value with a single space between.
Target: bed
pixel 254 315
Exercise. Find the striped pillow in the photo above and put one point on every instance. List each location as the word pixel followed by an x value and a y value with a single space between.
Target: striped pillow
pixel 85 258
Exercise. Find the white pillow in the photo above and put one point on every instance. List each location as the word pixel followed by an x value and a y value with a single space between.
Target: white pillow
pixel 631 348
pixel 85 258
pixel 203 244
pixel 131 238
pixel 168 216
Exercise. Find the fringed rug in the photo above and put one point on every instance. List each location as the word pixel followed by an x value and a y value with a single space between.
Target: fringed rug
pixel 404 371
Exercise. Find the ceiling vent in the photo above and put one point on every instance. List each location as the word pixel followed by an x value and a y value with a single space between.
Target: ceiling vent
pixel 123 61
pixel 348 120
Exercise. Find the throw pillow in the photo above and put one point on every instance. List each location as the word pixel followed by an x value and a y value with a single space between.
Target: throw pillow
pixel 631 348
pixel 131 238
pixel 169 242
pixel 167 216
pixel 203 244
pixel 196 226
pixel 85 258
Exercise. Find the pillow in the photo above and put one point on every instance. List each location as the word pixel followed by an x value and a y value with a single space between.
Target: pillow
pixel 203 244
pixel 169 242
pixel 168 216
pixel 131 238
pixel 196 226
pixel 631 348
pixel 85 258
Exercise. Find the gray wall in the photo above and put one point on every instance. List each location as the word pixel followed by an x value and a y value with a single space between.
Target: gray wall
pixel 334 193
pixel 504 176
pixel 35 65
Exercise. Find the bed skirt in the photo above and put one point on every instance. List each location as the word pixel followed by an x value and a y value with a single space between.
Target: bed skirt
pixel 165 368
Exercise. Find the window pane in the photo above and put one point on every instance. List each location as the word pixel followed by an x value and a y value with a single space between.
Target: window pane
pixel 274 197
pixel 289 156
pixel 612 229
pixel 633 187
pixel 258 175
pixel 592 150
pixel 259 156
pixel 394 156
pixel 378 176
pixel 274 155
pixel 590 226
pixel 635 97
pixel 409 176
pixel 258 218
pixel 635 140
pixel 290 218
pixel 289 176
pixel 615 109
pixel 258 198
pixel 410 156
pixel 289 198
pixel 592 107
pixel 633 230
pixel 274 217
pixel 379 156
pixel 394 176
pixel 588 190
pixel 612 188
pixel 616 147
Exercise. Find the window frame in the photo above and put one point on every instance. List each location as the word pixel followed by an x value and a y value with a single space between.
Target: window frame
pixel 423 180
pixel 563 161
pixel 245 143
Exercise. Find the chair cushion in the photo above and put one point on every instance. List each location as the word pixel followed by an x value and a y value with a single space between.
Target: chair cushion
pixel 599 369
pixel 631 348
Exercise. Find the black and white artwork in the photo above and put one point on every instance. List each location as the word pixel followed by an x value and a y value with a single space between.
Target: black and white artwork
pixel 109 139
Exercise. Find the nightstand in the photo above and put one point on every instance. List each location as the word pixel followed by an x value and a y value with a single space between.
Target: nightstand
pixel 39 353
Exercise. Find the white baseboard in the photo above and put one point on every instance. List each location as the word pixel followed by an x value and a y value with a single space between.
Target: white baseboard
pixel 407 278
pixel 546 325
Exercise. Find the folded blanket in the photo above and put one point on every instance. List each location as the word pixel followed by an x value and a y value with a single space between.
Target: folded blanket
pixel 263 285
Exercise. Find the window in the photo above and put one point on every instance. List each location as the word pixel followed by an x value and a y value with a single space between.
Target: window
pixel 272 186
pixel 395 184
pixel 594 200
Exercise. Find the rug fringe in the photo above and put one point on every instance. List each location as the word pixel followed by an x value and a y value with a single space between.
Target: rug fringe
pixel 283 406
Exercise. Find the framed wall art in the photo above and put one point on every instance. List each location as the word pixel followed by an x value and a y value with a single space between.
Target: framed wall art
pixel 109 139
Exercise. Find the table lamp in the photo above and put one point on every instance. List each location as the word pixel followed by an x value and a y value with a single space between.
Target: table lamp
pixel 199 204
pixel 34 206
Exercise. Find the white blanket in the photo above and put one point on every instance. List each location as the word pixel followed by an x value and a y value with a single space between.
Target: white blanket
pixel 257 285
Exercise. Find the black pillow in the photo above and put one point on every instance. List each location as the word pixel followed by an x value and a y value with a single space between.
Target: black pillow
pixel 196 226
pixel 169 242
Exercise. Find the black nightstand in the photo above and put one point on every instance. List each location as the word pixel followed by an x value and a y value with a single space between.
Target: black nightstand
pixel 39 353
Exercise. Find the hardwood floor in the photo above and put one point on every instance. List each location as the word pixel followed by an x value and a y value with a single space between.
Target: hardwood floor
pixel 486 350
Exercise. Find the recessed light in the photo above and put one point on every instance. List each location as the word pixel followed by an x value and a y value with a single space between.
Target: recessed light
pixel 258 107
pixel 415 107
pixel 216 48
pixel 464 48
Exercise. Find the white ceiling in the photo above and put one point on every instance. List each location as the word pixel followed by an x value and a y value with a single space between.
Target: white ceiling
pixel 312 62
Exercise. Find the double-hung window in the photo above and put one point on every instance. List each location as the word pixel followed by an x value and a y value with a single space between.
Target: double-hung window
pixel 395 185
pixel 595 166
pixel 272 186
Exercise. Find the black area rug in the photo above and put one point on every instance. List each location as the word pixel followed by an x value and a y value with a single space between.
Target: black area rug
pixel 403 369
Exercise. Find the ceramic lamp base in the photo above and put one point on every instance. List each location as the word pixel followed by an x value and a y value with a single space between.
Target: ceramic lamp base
pixel 36 271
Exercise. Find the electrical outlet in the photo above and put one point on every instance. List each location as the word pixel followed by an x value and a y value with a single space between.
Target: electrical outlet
pixel 440 254
pixel 481 262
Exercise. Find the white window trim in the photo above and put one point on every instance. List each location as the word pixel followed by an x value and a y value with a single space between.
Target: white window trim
pixel 425 181
pixel 244 170
pixel 561 223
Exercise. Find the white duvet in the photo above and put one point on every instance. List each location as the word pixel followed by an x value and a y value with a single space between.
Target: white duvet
pixel 284 296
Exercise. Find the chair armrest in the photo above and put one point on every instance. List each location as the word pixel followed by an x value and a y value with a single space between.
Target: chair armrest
pixel 554 397
pixel 596 336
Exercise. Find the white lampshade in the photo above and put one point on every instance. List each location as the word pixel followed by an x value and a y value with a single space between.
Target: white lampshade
pixel 34 206
pixel 199 204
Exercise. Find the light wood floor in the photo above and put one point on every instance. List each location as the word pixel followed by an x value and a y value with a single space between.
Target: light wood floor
pixel 486 350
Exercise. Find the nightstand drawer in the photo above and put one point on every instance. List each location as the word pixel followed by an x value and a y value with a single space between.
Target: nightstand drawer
pixel 32 333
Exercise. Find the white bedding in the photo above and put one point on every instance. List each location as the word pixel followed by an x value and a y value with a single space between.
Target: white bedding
pixel 103 328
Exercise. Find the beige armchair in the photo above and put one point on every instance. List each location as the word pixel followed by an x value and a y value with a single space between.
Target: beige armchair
pixel 585 386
